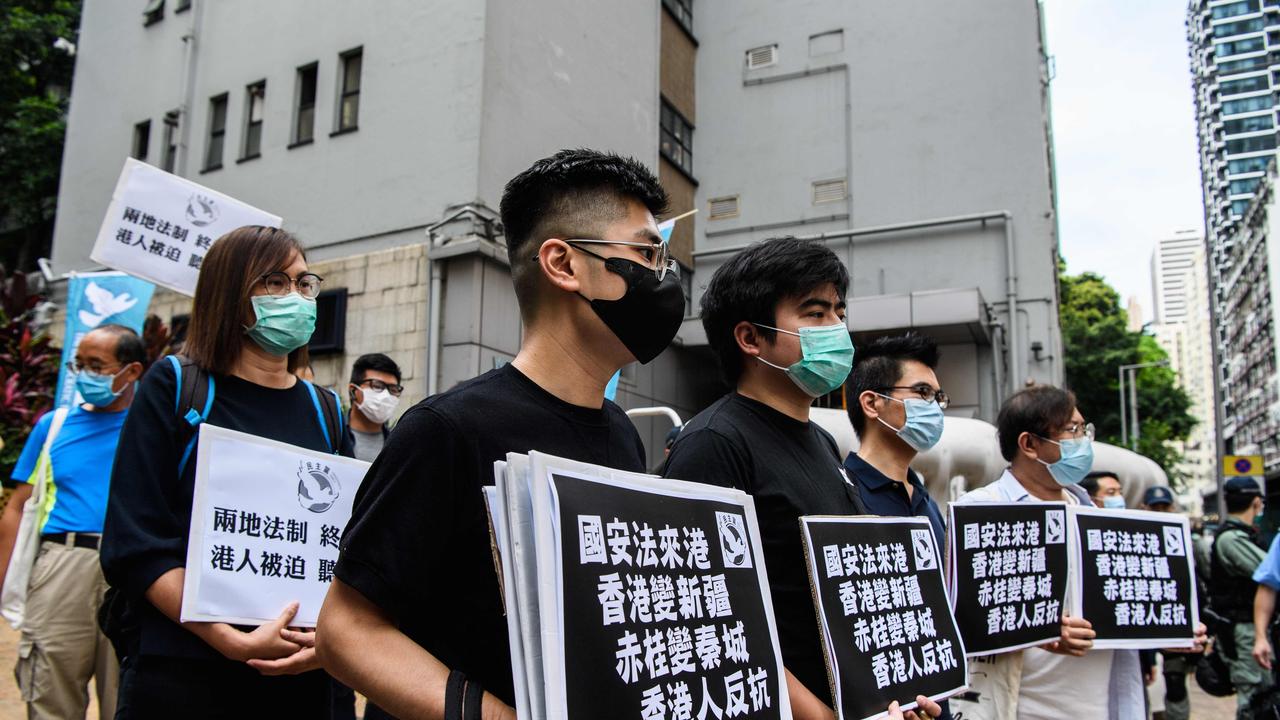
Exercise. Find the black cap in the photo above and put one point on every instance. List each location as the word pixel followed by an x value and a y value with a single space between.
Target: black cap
pixel 1241 487
pixel 1157 495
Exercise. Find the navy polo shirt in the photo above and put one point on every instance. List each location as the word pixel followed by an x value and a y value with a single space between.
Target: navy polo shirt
pixel 887 497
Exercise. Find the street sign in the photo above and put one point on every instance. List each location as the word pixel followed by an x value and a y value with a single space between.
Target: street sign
pixel 1242 465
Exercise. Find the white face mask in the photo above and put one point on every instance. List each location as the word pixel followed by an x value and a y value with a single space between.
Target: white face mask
pixel 378 405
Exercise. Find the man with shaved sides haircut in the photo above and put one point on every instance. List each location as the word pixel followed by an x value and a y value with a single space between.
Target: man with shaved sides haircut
pixel 414 618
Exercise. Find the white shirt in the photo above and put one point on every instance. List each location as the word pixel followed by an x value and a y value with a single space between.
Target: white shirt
pixel 1048 685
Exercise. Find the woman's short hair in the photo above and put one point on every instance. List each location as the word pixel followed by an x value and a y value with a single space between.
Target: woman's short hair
pixel 221 307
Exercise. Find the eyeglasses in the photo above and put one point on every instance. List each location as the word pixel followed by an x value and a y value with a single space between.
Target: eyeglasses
pixel 74 366
pixel 926 393
pixel 378 385
pixel 656 255
pixel 279 284
pixel 1076 431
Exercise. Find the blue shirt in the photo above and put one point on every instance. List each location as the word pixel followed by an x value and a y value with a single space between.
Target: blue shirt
pixel 1268 572
pixel 887 497
pixel 82 455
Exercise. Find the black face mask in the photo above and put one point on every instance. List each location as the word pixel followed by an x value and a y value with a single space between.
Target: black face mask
pixel 648 315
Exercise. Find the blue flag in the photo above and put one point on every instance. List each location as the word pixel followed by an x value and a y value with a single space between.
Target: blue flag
pixel 93 299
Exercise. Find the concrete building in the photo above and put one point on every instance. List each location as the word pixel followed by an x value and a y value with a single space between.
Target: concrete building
pixel 1180 281
pixel 1234 61
pixel 1251 404
pixel 1170 261
pixel 383 134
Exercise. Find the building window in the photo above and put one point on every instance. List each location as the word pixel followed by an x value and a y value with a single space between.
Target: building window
pixel 722 208
pixel 1239 206
pixel 1248 165
pixel 304 113
pixel 675 138
pixel 1244 105
pixel 1234 9
pixel 153 12
pixel 1231 67
pixel 217 132
pixel 255 98
pixel 763 56
pixel 1251 144
pixel 141 140
pixel 682 11
pixel 349 90
pixel 1248 124
pixel 1239 28
pixel 331 323
pixel 1252 84
pixel 1244 187
pixel 1253 44
pixel 170 157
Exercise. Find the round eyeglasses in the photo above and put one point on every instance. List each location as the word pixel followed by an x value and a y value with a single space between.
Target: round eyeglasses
pixel 279 284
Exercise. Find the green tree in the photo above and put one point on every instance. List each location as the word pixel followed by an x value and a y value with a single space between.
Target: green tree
pixel 37 57
pixel 1097 341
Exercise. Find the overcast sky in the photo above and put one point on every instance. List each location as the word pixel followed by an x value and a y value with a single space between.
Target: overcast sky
pixel 1124 133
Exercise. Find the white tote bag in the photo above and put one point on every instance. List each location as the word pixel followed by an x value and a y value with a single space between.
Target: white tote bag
pixel 13 597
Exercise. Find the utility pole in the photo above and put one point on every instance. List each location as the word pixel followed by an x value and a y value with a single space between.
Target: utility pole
pixel 1131 438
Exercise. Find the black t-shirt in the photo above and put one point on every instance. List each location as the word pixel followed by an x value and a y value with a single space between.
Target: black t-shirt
pixel 791 468
pixel 149 506
pixel 417 545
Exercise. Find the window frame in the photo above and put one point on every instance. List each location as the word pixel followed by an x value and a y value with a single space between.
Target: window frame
pixel 345 92
pixel 169 151
pixel 251 125
pixel 668 111
pixel 216 133
pixel 141 130
pixel 300 74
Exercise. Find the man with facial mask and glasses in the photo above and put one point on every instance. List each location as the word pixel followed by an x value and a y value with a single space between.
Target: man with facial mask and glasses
pixel 1049 447
pixel 375 394
pixel 414 618
pixel 72 452
pixel 896 408
pixel 774 315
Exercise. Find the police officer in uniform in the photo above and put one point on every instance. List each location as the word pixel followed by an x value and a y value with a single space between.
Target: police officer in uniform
pixel 1235 556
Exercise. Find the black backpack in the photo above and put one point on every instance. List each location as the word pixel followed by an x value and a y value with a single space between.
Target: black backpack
pixel 192 403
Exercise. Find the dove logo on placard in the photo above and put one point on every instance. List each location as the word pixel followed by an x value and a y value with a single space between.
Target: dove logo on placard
pixel 202 210
pixel 734 548
pixel 105 304
pixel 318 487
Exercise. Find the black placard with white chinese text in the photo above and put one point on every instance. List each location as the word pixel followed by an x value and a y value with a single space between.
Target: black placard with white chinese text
pixel 887 626
pixel 1007 568
pixel 665 614
pixel 1135 577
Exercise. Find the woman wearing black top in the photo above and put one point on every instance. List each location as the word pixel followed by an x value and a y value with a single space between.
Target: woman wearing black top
pixel 253 313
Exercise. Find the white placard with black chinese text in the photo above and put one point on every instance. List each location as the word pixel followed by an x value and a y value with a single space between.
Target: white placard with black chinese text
pixel 160 226
pixel 266 520
pixel 1133 577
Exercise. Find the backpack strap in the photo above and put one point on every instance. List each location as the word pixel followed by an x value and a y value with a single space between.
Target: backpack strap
pixel 329 415
pixel 195 389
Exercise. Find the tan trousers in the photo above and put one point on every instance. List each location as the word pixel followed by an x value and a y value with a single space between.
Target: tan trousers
pixel 61 647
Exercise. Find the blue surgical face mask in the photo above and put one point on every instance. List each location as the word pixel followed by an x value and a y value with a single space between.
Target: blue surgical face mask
pixel 96 388
pixel 1113 502
pixel 825 361
pixel 1075 462
pixel 923 428
pixel 284 323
